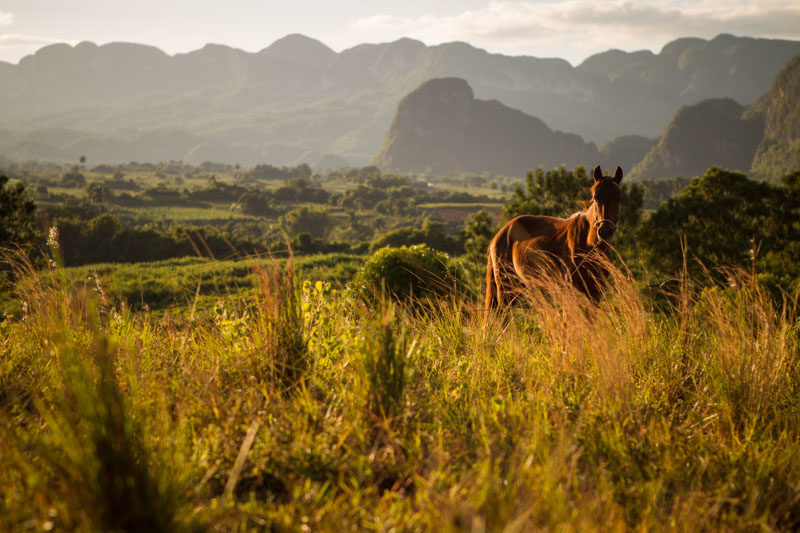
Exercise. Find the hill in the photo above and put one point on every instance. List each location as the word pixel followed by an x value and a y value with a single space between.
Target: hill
pixel 711 132
pixel 442 127
pixel 298 100
pixel 779 150
pixel 625 151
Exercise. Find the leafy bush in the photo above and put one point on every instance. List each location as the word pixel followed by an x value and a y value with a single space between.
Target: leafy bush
pixel 725 219
pixel 407 272
pixel 17 220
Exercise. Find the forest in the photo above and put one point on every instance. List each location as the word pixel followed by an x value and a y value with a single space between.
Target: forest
pixel 215 347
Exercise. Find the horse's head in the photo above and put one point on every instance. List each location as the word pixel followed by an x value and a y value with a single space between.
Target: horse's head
pixel 606 196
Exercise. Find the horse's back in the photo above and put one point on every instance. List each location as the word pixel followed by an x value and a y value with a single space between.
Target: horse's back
pixel 524 228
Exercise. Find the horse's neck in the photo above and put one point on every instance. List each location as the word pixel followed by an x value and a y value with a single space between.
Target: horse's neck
pixel 590 214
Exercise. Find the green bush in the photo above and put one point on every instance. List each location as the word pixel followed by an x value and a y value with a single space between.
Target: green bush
pixel 407 272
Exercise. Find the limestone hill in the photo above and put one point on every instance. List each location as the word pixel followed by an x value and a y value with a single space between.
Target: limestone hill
pixel 711 132
pixel 441 127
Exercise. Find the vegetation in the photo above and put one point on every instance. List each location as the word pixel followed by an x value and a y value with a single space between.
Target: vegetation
pixel 17 220
pixel 302 407
pixel 717 130
pixel 334 389
pixel 723 219
pixel 407 273
pixel 779 148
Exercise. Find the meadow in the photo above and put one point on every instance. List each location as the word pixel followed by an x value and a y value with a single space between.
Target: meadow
pixel 249 389
pixel 302 408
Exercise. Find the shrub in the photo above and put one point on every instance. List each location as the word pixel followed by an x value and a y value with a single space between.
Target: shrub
pixel 407 272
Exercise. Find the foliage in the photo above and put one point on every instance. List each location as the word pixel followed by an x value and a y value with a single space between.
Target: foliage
pixel 407 273
pixel 555 418
pixel 724 219
pixel 197 282
pixel 73 178
pixel 300 190
pixel 555 193
pixel 779 150
pixel 281 326
pixel 103 239
pixel 386 351
pixel 432 234
pixel 479 231
pixel 17 220
pixel 269 172
pixel 657 192
pixel 314 221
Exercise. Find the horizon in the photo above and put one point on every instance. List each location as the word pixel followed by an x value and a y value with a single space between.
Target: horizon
pixel 544 29
pixel 429 45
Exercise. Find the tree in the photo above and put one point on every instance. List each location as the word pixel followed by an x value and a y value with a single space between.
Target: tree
pixel 97 192
pixel 479 231
pixel 17 219
pixel 556 193
pixel 432 233
pixel 723 218
pixel 305 220
pixel 74 178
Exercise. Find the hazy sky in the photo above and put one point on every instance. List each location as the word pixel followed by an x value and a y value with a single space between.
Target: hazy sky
pixel 572 29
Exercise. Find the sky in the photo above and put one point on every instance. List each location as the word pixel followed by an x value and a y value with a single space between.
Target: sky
pixel 570 29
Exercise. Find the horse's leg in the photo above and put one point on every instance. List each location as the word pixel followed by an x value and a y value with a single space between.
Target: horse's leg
pixel 589 280
pixel 530 263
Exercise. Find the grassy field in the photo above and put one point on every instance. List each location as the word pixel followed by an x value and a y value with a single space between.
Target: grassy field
pixel 302 409
pixel 212 215
pixel 190 283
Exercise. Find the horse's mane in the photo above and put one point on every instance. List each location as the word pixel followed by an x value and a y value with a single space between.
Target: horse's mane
pixel 570 231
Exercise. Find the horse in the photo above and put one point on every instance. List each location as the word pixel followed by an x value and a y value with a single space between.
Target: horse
pixel 532 248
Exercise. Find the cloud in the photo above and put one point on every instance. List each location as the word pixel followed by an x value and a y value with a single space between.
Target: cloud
pixel 6 17
pixel 585 26
pixel 11 39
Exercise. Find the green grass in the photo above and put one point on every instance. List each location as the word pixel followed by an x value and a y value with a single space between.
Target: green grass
pixel 193 282
pixel 182 215
pixel 301 409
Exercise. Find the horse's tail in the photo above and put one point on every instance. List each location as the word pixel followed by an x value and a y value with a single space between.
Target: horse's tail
pixel 492 298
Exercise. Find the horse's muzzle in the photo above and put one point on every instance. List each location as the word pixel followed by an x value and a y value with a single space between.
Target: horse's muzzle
pixel 605 229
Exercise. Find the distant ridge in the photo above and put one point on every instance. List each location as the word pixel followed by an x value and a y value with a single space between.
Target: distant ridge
pixel 300 94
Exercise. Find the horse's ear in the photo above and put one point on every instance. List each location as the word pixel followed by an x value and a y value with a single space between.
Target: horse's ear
pixel 598 173
pixel 618 175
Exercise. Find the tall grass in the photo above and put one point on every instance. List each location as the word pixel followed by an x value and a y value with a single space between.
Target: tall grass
pixel 75 444
pixel 299 409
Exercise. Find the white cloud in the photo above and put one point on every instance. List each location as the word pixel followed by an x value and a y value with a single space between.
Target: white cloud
pixel 6 17
pixel 578 27
pixel 12 39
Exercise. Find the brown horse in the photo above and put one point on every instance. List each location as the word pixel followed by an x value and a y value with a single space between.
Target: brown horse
pixel 532 248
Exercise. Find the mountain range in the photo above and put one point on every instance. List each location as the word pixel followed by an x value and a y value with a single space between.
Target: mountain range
pixel 298 100
pixel 442 128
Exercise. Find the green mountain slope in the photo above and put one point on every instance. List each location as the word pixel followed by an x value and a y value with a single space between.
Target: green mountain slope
pixel 710 132
pixel 779 151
